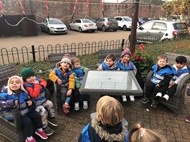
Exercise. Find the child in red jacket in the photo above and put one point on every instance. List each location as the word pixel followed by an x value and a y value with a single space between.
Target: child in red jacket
pixel 36 89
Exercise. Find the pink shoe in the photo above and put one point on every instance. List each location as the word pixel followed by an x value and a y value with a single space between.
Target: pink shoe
pixel 41 134
pixel 187 119
pixel 32 140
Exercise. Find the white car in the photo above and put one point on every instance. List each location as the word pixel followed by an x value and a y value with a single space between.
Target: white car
pixel 81 25
pixel 53 26
pixel 124 22
pixel 159 30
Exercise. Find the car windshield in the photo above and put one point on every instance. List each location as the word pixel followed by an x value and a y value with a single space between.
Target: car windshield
pixel 87 21
pixel 55 21
pixel 127 19
pixel 178 26
pixel 112 19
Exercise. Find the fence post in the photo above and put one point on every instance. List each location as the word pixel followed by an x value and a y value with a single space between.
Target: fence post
pixel 33 54
pixel 122 43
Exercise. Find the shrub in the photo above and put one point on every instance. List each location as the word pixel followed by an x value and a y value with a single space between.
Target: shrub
pixel 143 60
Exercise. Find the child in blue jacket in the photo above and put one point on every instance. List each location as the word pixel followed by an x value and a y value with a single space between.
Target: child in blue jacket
pixel 16 92
pixel 159 81
pixel 110 63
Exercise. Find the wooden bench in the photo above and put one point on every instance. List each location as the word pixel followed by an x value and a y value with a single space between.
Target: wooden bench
pixel 103 53
pixel 172 57
pixel 10 130
pixel 177 100
pixel 56 57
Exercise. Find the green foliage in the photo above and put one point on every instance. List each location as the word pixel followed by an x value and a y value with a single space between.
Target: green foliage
pixel 142 59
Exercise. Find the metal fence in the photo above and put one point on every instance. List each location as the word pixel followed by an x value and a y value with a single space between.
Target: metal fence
pixel 40 53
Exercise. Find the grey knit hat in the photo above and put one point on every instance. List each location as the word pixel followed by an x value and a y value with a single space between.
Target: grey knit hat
pixel 66 60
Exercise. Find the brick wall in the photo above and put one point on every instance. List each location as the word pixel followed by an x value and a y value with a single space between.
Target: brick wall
pixel 63 10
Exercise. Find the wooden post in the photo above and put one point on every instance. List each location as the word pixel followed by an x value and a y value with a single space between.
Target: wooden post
pixel 134 25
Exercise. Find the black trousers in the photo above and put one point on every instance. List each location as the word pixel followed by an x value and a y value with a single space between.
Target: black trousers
pixel 151 90
pixel 30 119
pixel 171 91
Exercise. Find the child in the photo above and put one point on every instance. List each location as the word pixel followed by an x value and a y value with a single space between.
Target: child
pixel 126 65
pixel 109 63
pixel 107 124
pixel 78 70
pixel 181 70
pixel 65 79
pixel 140 134
pixel 79 74
pixel 17 92
pixel 36 89
pixel 159 81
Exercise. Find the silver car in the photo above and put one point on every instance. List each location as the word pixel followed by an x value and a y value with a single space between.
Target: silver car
pixel 53 26
pixel 107 23
pixel 124 22
pixel 81 25
pixel 158 30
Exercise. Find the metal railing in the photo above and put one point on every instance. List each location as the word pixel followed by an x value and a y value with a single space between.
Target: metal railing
pixel 40 53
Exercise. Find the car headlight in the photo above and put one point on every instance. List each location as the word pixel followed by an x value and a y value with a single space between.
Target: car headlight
pixel 52 28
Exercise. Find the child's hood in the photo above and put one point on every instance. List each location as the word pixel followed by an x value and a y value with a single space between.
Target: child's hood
pixel 9 91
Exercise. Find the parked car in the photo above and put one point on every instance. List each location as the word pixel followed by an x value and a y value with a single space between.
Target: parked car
pixel 124 22
pixel 83 25
pixel 107 23
pixel 142 20
pixel 158 30
pixel 53 26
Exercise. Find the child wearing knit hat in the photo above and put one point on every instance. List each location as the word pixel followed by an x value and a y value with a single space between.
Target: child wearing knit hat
pixel 36 88
pixel 64 77
pixel 126 65
pixel 24 103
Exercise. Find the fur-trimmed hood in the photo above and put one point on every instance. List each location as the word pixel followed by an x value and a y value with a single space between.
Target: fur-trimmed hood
pixel 106 135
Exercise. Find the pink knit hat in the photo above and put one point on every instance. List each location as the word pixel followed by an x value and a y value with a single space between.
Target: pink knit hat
pixel 126 51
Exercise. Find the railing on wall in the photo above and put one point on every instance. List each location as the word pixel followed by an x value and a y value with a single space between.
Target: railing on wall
pixel 40 53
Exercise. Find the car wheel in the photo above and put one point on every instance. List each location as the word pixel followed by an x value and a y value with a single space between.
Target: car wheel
pixel 114 30
pixel 124 28
pixel 103 28
pixel 41 29
pixel 80 30
pixel 48 31
pixel 92 31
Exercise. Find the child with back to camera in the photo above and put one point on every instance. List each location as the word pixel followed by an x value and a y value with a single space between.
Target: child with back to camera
pixel 36 88
pixel 126 65
pixel 140 134
pixel 107 124
pixel 110 63
pixel 159 81
pixel 25 104
pixel 65 79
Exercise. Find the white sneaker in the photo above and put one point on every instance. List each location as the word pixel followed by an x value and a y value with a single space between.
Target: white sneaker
pixel 159 94
pixel 166 97
pixel 85 104
pixel 76 106
pixel 124 98
pixel 132 98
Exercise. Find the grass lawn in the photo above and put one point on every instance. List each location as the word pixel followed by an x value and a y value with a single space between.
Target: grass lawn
pixel 90 61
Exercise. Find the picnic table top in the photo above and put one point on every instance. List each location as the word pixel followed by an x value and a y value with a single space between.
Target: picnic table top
pixel 111 83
